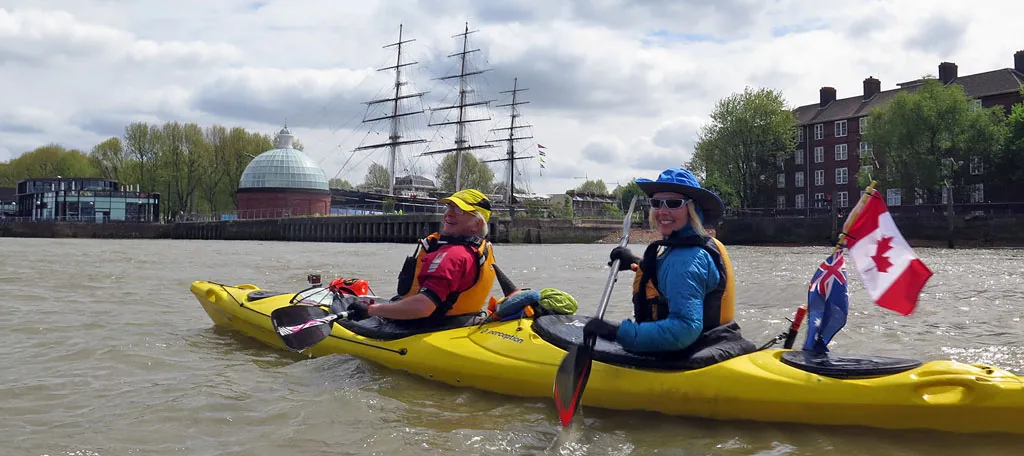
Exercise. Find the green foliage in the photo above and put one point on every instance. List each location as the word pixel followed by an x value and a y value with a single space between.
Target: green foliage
pixel 388 205
pixel 626 192
pixel 340 183
pixel 377 177
pixel 194 170
pixel 534 208
pixel 474 173
pixel 1010 163
pixel 597 187
pixel 740 150
pixel 919 135
pixel 50 160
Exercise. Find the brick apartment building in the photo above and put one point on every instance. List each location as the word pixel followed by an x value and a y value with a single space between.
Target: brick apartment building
pixel 829 147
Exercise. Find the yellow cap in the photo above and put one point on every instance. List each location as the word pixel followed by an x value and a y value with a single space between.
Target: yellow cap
pixel 472 201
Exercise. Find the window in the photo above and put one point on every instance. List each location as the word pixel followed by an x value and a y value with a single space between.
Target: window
pixel 863 125
pixel 844 199
pixel 819 154
pixel 841 176
pixel 867 169
pixel 819 200
pixel 976 166
pixel 893 197
pixel 977 193
pixel 865 149
pixel 974 105
pixel 819 177
pixel 841 152
pixel 799 201
pixel 780 202
pixel 840 128
pixel 798 179
pixel 819 131
pixel 781 179
pixel 799 134
pixel 798 158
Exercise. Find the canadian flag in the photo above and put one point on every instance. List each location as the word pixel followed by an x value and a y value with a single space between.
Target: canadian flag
pixel 890 271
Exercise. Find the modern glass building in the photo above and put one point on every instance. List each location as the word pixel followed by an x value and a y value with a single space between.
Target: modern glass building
pixel 85 200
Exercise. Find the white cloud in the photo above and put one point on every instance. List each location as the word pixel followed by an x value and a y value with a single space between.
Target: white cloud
pixel 617 89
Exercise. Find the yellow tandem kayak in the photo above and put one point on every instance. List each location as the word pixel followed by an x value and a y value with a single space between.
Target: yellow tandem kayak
pixel 520 358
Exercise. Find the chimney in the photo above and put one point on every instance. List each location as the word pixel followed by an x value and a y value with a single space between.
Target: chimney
pixel 1018 61
pixel 828 95
pixel 871 87
pixel 947 72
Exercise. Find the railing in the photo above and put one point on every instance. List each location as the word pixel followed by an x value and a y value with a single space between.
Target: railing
pixel 919 210
pixel 74 219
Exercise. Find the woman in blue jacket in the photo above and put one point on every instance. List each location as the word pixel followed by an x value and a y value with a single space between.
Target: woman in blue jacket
pixel 683 291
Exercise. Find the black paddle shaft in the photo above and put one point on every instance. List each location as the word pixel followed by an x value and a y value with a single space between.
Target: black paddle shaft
pixel 574 371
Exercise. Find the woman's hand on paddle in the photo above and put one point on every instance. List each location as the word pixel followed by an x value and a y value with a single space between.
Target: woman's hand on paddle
pixel 625 257
pixel 601 328
pixel 357 308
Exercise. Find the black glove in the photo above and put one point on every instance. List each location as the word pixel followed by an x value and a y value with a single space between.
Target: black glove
pixel 601 328
pixel 357 308
pixel 625 257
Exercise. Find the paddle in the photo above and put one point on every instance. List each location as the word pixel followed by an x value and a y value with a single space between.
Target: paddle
pixel 574 371
pixel 302 326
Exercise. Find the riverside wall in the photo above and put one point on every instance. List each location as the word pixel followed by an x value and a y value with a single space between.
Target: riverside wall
pixel 968 231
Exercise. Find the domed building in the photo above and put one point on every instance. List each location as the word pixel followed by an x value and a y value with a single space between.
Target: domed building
pixel 283 182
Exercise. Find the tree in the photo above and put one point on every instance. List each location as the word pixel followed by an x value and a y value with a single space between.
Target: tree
pixel 597 187
pixel 51 160
pixel 740 150
pixel 920 138
pixel 141 141
pixel 1009 165
pixel 109 158
pixel 474 173
pixel 625 193
pixel 377 177
pixel 338 182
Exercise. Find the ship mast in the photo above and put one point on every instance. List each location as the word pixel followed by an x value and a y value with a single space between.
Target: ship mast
pixel 461 143
pixel 510 150
pixel 395 138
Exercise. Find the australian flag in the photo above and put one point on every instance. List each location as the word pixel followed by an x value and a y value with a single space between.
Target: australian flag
pixel 827 303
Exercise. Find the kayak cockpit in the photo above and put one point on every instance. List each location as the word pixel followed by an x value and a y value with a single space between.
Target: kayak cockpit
pixel 387 329
pixel 847 366
pixel 564 331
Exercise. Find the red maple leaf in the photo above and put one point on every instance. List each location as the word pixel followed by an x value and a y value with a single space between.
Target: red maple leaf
pixel 881 261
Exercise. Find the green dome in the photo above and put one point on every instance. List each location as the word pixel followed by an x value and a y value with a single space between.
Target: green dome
pixel 284 168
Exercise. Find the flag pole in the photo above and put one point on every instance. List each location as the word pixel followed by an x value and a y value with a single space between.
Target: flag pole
pixel 853 215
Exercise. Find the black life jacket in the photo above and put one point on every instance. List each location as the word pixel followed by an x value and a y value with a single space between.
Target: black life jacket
pixel 650 305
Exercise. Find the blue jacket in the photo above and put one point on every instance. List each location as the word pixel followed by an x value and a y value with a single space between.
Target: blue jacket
pixel 685 276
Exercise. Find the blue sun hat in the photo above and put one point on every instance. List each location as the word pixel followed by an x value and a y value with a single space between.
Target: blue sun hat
pixel 679 180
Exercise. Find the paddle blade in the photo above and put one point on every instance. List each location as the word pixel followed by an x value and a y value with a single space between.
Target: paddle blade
pixel 570 381
pixel 301 327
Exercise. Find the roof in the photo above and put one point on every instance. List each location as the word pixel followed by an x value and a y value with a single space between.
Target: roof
pixel 995 82
pixel 283 168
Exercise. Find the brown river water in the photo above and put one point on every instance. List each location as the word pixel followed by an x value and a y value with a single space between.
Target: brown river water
pixel 104 352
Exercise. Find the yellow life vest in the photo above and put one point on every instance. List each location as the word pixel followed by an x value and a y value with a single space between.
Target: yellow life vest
pixel 719 305
pixel 462 302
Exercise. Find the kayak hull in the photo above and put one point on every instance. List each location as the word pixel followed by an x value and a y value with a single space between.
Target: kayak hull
pixel 510 358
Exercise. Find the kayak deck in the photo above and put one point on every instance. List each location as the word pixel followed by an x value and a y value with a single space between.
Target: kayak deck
pixel 511 358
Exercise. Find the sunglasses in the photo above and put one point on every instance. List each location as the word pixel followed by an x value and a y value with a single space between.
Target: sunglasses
pixel 671 203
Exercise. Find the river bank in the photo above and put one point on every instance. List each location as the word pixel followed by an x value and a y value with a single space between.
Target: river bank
pixel 976 232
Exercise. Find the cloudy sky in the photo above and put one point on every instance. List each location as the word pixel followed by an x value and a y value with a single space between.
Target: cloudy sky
pixel 617 88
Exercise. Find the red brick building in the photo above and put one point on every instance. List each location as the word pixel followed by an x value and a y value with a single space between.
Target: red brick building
pixel 827 159
pixel 283 182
